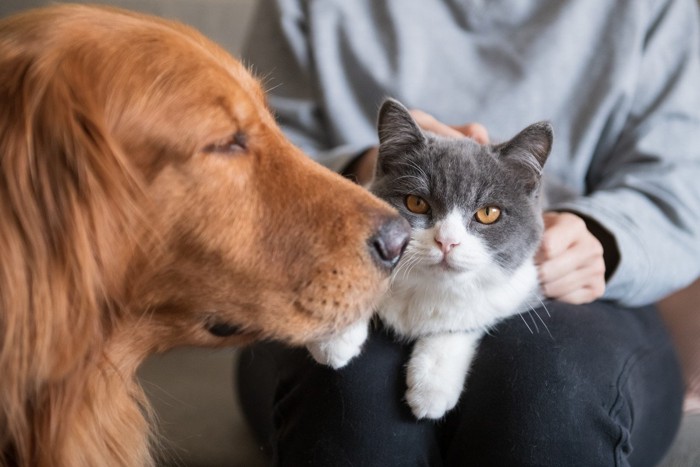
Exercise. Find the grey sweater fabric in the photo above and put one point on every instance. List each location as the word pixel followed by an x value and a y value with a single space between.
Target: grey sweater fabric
pixel 619 80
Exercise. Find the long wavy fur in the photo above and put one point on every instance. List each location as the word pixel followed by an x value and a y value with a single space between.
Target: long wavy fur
pixel 67 197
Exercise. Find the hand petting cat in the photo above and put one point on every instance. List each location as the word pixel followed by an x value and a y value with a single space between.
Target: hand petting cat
pixel 475 131
pixel 363 167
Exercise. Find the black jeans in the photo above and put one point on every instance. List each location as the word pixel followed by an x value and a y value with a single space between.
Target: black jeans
pixel 599 386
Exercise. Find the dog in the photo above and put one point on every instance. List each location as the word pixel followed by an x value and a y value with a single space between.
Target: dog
pixel 148 200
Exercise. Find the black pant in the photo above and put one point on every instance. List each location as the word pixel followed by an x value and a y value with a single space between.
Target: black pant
pixel 599 386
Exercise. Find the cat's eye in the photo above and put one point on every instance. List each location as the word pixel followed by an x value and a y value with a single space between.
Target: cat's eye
pixel 416 204
pixel 488 215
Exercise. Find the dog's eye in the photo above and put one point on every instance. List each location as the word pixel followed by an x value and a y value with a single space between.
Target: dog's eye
pixel 223 329
pixel 234 144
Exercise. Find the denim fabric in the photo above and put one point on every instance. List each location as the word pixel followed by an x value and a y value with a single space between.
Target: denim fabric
pixel 592 385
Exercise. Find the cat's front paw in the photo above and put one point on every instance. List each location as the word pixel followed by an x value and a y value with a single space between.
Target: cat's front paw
pixel 431 402
pixel 337 351
pixel 429 395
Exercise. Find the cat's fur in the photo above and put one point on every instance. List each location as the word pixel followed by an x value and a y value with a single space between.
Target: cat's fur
pixel 458 277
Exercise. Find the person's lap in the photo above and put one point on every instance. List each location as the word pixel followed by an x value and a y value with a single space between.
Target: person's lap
pixel 585 385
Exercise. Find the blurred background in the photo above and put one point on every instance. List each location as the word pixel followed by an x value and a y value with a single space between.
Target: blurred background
pixel 192 389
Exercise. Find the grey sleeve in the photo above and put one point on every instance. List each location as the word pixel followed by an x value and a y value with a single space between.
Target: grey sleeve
pixel 646 191
pixel 278 51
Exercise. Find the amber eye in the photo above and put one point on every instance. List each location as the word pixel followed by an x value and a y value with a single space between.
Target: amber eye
pixel 488 215
pixel 416 204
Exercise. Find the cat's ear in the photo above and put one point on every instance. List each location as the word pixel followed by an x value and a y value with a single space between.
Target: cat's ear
pixel 398 132
pixel 530 148
pixel 396 126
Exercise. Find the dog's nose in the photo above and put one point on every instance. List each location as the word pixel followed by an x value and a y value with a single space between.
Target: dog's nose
pixel 390 241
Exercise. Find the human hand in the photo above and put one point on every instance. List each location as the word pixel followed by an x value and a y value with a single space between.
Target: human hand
pixel 363 167
pixel 427 122
pixel 570 260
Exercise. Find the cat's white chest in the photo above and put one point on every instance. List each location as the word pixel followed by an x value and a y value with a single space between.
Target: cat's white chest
pixel 423 303
pixel 448 313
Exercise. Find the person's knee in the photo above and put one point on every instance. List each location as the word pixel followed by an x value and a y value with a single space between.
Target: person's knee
pixel 571 345
pixel 568 384
pixel 354 416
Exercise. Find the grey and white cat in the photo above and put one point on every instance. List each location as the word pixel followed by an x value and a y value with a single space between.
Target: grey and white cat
pixel 476 222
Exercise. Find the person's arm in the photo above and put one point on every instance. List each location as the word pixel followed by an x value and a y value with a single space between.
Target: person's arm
pixel 646 192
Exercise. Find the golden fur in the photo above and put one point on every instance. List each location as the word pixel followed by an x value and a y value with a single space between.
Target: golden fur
pixel 129 225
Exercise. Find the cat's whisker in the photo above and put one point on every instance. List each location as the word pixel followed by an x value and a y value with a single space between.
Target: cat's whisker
pixel 526 325
pixel 414 260
pixel 542 321
pixel 410 177
pixel 543 306
pixel 534 310
pixel 534 323
pixel 538 298
pixel 407 257
pixel 409 260
pixel 415 166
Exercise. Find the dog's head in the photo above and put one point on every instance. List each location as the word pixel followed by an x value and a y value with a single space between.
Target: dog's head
pixel 147 193
pixel 148 200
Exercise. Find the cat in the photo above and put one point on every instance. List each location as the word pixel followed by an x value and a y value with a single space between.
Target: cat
pixel 476 219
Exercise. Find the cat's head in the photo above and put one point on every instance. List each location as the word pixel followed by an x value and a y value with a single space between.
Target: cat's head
pixel 470 206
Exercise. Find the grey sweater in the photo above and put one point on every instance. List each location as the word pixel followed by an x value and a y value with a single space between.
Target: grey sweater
pixel 618 79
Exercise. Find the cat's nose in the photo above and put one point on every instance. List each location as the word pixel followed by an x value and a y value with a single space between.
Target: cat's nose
pixel 389 242
pixel 446 244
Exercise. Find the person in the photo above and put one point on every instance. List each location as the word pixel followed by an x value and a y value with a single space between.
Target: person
pixel 597 382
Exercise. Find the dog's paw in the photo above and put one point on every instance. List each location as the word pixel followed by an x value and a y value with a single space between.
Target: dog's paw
pixel 337 351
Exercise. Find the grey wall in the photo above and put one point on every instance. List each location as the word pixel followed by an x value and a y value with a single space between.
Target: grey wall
pixel 224 21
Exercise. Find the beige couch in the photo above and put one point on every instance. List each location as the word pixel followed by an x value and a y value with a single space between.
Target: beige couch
pixel 192 389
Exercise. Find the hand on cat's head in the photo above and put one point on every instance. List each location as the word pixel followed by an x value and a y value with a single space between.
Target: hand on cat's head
pixel 363 167
pixel 400 133
pixel 476 131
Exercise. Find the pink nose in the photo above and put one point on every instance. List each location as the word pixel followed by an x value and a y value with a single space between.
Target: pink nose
pixel 446 244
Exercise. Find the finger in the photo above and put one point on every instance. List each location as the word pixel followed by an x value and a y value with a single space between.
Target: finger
pixel 365 167
pixel 591 278
pixel 430 123
pixel 579 255
pixel 581 296
pixel 561 231
pixel 476 131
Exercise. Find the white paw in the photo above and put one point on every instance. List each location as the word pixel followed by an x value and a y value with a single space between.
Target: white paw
pixel 430 399
pixel 434 378
pixel 337 351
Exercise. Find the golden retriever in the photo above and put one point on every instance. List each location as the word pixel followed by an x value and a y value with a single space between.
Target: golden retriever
pixel 148 200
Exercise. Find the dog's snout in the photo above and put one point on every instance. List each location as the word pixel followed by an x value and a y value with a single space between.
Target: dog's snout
pixel 389 242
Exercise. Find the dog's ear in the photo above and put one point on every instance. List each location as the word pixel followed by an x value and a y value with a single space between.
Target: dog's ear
pixel 66 198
